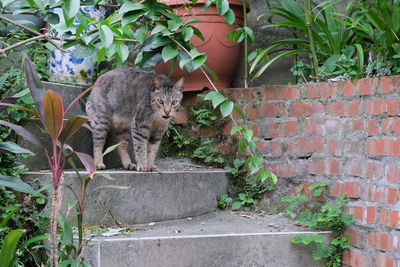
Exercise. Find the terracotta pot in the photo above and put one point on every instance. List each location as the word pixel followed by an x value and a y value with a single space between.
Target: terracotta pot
pixel 223 55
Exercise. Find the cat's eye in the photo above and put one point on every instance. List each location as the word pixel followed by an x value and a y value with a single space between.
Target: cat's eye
pixel 160 101
pixel 174 102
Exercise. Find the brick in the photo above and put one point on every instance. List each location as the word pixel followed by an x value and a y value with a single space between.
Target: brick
pixel 311 127
pixel 391 126
pixel 252 94
pixel 321 90
pixel 336 190
pixel 374 193
pixel 382 106
pixel 356 258
pixel 333 147
pixel 372 127
pixel 270 149
pixel 289 128
pixel 354 168
pixel 333 167
pixel 305 109
pixel 382 260
pixel 287 169
pixel 367 86
pixel 280 92
pixel 306 145
pixel 348 88
pixel 374 170
pixel 375 147
pixel 356 238
pixel 352 108
pixel 271 110
pixel 393 219
pixel 358 213
pixel 391 195
pixel 352 189
pixel 392 173
pixel 336 108
pixel 371 214
pixel 386 85
pixel 316 166
pixel 332 126
pixel 180 117
pixel 382 241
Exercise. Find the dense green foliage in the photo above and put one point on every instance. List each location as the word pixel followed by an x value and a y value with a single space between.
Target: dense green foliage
pixel 328 217
pixel 332 41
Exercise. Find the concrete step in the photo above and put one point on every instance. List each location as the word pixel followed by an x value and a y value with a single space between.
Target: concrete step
pixel 217 239
pixel 179 190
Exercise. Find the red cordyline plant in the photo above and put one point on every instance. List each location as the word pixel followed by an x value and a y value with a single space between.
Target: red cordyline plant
pixel 51 113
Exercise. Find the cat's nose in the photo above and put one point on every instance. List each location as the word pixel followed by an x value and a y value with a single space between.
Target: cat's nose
pixel 167 111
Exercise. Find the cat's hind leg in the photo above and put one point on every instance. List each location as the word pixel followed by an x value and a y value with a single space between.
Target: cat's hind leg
pixel 123 139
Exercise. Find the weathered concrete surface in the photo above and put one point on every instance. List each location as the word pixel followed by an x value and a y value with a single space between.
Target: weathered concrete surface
pixel 156 196
pixel 219 239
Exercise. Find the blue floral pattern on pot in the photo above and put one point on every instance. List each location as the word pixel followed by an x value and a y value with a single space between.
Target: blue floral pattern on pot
pixel 64 66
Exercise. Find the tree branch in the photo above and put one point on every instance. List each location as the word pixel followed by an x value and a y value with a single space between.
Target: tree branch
pixel 4 50
pixel 48 38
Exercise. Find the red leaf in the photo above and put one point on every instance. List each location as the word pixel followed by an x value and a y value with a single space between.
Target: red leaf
pixel 88 162
pixel 22 132
pixel 53 113
pixel 71 127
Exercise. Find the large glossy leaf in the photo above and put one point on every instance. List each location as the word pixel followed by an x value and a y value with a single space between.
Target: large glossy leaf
pixel 71 127
pixel 54 113
pixel 88 162
pixel 106 36
pixel 71 7
pixel 13 148
pixel 9 246
pixel 22 132
pixel 35 86
pixel 18 185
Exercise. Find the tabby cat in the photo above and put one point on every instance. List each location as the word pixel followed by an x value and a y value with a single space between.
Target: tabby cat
pixel 132 102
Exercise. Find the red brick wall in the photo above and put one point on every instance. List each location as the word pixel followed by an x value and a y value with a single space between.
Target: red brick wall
pixel 345 133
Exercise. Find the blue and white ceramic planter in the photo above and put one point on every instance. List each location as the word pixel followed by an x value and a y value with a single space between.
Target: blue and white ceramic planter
pixel 65 66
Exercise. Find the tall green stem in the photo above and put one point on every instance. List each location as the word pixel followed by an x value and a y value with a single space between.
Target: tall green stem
pixel 307 12
pixel 246 67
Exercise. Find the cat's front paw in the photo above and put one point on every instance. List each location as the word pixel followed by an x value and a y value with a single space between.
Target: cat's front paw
pixel 142 168
pixel 100 166
pixel 152 168
pixel 129 166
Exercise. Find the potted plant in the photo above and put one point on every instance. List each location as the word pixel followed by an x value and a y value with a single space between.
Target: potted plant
pixel 215 23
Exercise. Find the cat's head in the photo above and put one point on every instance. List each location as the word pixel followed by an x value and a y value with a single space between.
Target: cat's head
pixel 165 100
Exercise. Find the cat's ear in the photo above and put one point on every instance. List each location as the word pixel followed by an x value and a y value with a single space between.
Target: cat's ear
pixel 179 84
pixel 156 84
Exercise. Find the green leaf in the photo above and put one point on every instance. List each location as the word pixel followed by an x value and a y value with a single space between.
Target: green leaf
pixel 236 205
pixel 199 61
pixel 132 16
pixel 106 36
pixel 67 236
pixel 250 33
pixel 123 52
pixel 248 134
pixel 173 25
pixel 101 54
pixel 240 112
pixel 235 129
pixel 140 34
pixel 159 28
pixel 129 6
pixel 13 148
pixel 229 17
pixel 222 7
pixel 71 7
pixel 254 163
pixel 226 108
pixel 8 247
pixel 216 98
pixel 111 148
pixel 111 187
pixel 187 33
pixel 168 53
pixel 32 240
pixel 212 73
